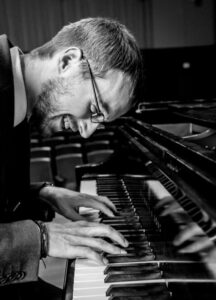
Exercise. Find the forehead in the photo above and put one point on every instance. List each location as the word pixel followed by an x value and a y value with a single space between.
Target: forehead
pixel 116 94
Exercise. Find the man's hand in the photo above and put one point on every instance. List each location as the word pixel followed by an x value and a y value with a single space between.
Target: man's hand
pixel 83 239
pixel 196 240
pixel 66 202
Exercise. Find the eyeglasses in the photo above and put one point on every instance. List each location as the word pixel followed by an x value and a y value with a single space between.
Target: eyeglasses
pixel 97 116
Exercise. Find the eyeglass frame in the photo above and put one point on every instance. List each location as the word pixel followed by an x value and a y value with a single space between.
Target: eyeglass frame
pixel 99 113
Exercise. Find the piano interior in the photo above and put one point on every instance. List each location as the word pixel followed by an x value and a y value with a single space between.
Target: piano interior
pixel 162 179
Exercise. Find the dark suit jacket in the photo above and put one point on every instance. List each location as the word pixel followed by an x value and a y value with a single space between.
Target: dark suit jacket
pixel 19 235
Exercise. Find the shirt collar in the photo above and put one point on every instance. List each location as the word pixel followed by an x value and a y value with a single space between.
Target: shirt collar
pixel 20 100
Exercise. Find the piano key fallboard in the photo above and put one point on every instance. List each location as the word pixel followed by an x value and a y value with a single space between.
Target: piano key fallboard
pixel 152 268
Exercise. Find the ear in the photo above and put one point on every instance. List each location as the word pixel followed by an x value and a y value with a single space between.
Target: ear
pixel 69 57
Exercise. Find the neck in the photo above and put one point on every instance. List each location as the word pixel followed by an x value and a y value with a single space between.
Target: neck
pixel 35 72
pixel 31 79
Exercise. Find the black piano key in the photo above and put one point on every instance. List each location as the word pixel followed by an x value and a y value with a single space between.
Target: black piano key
pixel 138 248
pixel 127 226
pixel 120 214
pixel 132 232
pixel 144 289
pixel 135 238
pixel 130 268
pixel 138 244
pixel 133 252
pixel 121 220
pixel 139 275
pixel 192 290
pixel 123 205
pixel 123 259
pixel 185 271
pixel 161 296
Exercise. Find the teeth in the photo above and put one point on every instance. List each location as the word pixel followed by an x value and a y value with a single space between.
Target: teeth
pixel 66 123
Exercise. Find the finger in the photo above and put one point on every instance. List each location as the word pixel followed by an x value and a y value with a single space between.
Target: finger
pixel 85 223
pixel 164 201
pixel 82 223
pixel 86 252
pixel 191 230
pixel 108 202
pixel 210 256
pixel 86 200
pixel 73 215
pixel 101 230
pixel 200 245
pixel 170 209
pixel 99 206
pixel 96 243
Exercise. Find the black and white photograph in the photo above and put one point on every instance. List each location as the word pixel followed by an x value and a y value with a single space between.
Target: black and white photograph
pixel 107 149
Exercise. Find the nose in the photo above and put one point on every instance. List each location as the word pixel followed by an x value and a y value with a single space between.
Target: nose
pixel 87 128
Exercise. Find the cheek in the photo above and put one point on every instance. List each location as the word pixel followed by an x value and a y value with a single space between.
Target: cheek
pixel 75 107
pixel 78 105
pixel 74 101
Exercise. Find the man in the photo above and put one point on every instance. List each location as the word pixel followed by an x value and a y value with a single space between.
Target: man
pixel 84 76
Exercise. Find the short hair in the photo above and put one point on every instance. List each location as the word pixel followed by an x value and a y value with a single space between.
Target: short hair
pixel 106 42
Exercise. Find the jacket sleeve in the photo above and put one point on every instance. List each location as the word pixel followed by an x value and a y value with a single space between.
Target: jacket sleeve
pixel 37 208
pixel 19 252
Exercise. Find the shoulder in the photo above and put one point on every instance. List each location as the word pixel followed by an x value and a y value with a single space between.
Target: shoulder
pixel 4 41
pixel 5 46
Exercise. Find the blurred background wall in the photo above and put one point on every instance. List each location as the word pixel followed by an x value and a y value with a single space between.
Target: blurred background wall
pixel 155 23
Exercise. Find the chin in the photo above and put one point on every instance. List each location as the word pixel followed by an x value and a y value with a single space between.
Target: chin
pixel 47 132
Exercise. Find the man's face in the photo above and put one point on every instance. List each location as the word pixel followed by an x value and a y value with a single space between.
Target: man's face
pixel 67 103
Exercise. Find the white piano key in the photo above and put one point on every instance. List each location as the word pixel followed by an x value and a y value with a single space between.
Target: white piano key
pixel 89 279
pixel 158 189
pixel 89 276
pixel 88 297
pixel 88 187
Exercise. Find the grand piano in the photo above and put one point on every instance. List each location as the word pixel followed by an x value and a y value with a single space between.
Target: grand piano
pixel 162 178
pixel 156 165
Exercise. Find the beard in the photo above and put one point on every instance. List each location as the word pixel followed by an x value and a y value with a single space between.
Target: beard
pixel 46 105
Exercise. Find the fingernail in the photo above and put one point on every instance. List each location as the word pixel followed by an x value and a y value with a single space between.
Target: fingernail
pixel 111 215
pixel 122 251
pixel 126 243
pixel 105 261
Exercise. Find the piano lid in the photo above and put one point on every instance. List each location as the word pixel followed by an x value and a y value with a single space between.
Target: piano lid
pixel 191 166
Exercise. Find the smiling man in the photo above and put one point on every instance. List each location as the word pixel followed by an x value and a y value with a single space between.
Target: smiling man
pixel 84 76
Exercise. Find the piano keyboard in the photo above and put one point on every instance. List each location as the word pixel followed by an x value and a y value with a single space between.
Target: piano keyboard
pixel 151 269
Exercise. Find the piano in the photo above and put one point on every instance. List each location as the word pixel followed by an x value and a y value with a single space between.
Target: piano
pixel 151 168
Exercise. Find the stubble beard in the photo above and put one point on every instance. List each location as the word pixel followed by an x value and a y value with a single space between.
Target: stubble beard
pixel 45 106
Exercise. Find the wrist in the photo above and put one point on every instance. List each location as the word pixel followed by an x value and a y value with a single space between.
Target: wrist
pixel 43 238
pixel 46 190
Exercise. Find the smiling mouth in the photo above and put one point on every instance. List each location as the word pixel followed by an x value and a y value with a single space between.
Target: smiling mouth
pixel 67 124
